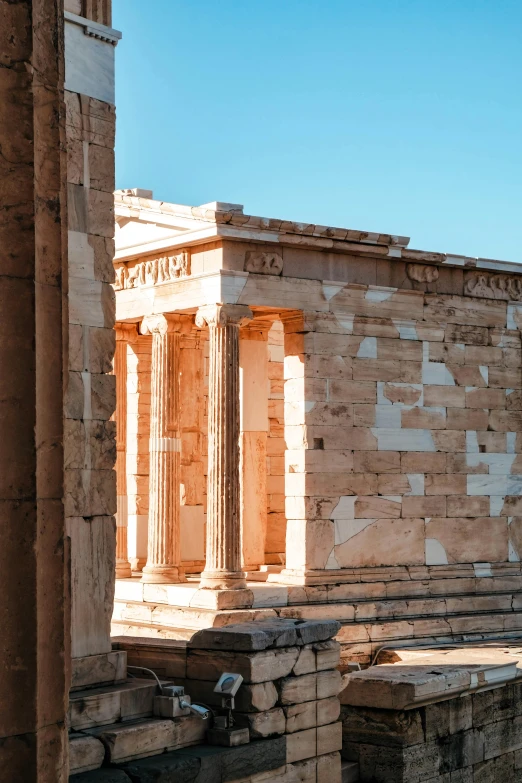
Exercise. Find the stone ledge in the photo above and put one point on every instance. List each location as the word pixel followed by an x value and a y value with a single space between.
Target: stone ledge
pixel 265 634
pixel 436 676
pixel 208 764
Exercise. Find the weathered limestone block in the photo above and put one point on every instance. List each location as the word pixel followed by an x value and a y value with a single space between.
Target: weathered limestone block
pixel 85 753
pixel 257 667
pixel 306 662
pixel 265 634
pixel 93 559
pixel 301 745
pixel 328 710
pixel 329 768
pixel 294 690
pixel 148 738
pixel 90 670
pixel 263 724
pixel 260 760
pixel 300 716
pixel 308 687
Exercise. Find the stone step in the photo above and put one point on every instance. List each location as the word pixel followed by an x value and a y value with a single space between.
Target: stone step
pixel 403 587
pixel 139 739
pixel 349 772
pixel 110 704
pixel 85 753
pixel 149 631
pixel 347 611
pixel 256 576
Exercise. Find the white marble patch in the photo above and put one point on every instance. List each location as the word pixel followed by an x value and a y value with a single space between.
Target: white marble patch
pixel 331 563
pixel 482 569
pixel 388 416
pixel 486 485
pixel 512 553
pixel 345 509
pixel 416 484
pixel 514 485
pixel 494 485
pixel 435 552
pixel 368 348
pixel 496 504
pixel 407 329
pixel 499 464
pixel 403 440
pixel 379 294
pixel 484 371
pixel 332 289
pixel 472 445
pixel 514 316
pixel 346 322
pixel 436 374
pixel 348 528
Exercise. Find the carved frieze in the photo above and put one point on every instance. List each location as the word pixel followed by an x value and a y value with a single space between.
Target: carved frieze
pixel 153 271
pixel 263 263
pixel 422 273
pixel 485 286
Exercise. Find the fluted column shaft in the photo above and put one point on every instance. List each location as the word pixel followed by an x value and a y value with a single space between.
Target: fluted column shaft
pixel 163 552
pixel 125 333
pixel 223 555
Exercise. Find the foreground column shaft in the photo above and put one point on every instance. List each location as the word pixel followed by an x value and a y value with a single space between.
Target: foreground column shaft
pixel 163 555
pixel 125 333
pixel 223 556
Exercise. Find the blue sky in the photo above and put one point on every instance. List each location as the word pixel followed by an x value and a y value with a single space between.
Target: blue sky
pixel 384 115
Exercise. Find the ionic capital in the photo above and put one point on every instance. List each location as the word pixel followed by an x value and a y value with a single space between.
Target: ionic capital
pixel 163 323
pixel 223 315
pixel 126 332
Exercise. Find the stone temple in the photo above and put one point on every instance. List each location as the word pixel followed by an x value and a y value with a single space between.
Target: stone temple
pixel 241 447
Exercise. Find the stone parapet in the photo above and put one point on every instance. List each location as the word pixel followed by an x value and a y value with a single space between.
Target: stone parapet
pixel 437 716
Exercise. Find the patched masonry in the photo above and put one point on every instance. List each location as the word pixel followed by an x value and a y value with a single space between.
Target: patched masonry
pixel 371 425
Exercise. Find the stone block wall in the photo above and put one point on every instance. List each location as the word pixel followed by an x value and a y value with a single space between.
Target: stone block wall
pixel 402 411
pixel 290 688
pixel 90 487
pixel 90 393
pixel 472 739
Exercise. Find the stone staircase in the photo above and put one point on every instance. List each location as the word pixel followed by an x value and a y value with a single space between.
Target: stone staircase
pixel 115 723
pixel 367 625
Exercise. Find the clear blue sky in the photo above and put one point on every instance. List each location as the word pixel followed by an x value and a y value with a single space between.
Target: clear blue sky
pixel 382 115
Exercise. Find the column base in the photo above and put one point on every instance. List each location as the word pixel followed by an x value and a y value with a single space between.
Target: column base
pixel 123 569
pixel 162 574
pixel 223 580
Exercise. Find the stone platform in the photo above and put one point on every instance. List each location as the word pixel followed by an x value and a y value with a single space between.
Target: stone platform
pixel 437 716
pixel 378 608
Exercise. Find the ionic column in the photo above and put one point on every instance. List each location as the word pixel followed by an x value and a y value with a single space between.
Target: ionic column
pixel 223 555
pixel 163 553
pixel 125 333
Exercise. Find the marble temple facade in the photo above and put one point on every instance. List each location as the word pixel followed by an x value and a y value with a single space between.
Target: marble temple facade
pixel 355 408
